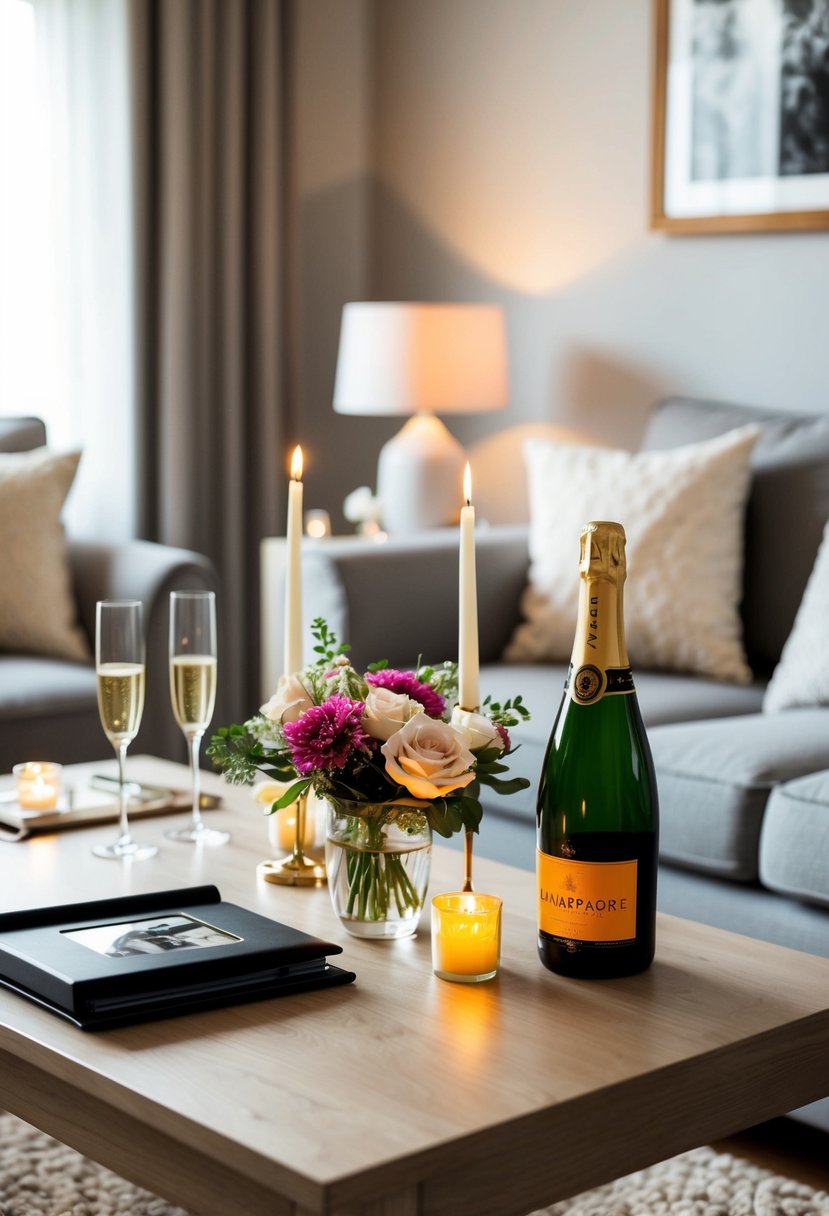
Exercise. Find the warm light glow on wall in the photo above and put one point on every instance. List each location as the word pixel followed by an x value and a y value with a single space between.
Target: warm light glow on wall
pixel 530 253
pixel 522 165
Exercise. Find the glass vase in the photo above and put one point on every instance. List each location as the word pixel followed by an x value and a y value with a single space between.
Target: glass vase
pixel 378 857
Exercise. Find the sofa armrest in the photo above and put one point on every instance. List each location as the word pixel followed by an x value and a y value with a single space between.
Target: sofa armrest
pixel 398 599
pixel 141 570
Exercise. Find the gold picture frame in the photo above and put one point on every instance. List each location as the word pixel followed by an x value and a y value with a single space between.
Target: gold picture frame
pixel 740 104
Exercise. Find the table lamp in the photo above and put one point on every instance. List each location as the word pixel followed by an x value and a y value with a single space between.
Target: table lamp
pixel 421 360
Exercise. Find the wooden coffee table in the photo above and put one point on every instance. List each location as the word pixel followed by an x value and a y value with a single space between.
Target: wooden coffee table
pixel 402 1094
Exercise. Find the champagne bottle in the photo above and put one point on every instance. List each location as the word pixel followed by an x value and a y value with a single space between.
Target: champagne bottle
pixel 597 802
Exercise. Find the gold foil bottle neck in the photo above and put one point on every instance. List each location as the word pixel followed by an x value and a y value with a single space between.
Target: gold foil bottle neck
pixel 602 551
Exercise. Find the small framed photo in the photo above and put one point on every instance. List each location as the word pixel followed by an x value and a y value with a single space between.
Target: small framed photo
pixel 741 115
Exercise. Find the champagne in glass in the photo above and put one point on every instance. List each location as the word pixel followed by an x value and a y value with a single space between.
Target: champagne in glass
pixel 119 665
pixel 193 691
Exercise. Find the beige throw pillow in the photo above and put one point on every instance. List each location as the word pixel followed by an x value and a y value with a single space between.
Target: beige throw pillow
pixel 802 675
pixel 37 606
pixel 682 511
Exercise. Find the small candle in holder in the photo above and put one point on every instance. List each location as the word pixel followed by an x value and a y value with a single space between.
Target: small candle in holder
pixel 317 524
pixel 466 936
pixel 282 824
pixel 282 827
pixel 38 784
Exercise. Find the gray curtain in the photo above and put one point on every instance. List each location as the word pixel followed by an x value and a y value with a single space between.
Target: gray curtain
pixel 209 81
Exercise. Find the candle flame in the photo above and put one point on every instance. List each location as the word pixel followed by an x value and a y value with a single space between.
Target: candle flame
pixel 296 464
pixel 467 484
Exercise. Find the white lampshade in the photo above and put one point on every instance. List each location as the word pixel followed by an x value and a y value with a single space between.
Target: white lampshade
pixel 421 359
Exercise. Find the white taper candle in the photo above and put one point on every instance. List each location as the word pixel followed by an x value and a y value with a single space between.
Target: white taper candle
pixel 469 693
pixel 293 569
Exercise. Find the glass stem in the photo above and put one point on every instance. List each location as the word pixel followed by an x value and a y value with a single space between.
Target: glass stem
pixel 194 741
pixel 123 820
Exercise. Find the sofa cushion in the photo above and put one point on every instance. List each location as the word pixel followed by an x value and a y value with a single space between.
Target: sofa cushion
pixel 663 697
pixel 682 511
pixel 788 506
pixel 751 910
pixel 31 686
pixel 802 675
pixel 37 605
pixel 48 711
pixel 715 777
pixel 794 844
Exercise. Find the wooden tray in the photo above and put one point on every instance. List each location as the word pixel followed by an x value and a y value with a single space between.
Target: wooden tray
pixel 83 805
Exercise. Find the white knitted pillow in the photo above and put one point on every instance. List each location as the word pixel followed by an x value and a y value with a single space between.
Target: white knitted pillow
pixel 802 675
pixel 682 511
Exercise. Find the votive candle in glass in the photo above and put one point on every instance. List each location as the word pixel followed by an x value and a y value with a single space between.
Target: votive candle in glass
pixel 39 784
pixel 466 936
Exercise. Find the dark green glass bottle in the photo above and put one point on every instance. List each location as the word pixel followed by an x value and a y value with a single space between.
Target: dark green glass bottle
pixel 597 802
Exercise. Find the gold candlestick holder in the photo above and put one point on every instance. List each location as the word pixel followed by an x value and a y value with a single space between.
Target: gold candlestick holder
pixel 467 861
pixel 295 869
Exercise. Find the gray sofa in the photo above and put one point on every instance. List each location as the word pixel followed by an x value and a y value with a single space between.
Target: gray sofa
pixel 744 795
pixel 48 707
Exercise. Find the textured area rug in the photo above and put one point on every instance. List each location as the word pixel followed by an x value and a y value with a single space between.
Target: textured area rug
pixel 699 1183
pixel 41 1177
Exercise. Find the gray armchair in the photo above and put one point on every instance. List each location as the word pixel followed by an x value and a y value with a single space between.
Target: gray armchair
pixel 48 706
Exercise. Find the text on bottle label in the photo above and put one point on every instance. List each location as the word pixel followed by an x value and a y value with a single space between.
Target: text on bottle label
pixel 586 901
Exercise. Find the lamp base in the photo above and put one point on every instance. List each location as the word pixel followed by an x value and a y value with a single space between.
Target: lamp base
pixel 419 477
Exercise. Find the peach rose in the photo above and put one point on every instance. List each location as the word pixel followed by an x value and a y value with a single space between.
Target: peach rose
pixel 387 711
pixel 289 702
pixel 429 758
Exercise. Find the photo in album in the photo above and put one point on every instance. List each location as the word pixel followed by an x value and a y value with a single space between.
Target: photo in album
pixel 153 935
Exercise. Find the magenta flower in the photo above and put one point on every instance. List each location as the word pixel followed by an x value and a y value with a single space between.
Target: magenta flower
pixel 327 735
pixel 405 682
pixel 504 733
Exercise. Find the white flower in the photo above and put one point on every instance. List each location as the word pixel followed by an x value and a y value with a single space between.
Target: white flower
pixel 360 506
pixel 289 702
pixel 387 711
pixel 429 758
pixel 477 729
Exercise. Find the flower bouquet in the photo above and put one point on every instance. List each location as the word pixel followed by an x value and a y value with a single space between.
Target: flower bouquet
pixel 393 760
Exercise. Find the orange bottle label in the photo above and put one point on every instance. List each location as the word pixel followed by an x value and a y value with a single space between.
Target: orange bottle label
pixel 586 901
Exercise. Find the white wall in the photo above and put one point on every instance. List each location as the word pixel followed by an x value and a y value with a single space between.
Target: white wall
pixel 511 153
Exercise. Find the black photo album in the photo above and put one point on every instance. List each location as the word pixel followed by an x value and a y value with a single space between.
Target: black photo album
pixel 110 962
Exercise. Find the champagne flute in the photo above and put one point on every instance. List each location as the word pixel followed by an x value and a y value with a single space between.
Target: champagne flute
pixel 193 691
pixel 119 666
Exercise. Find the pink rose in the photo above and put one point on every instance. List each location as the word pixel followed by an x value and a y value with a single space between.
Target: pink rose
pixel 429 758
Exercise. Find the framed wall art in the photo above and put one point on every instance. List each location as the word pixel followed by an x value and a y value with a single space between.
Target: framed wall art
pixel 740 115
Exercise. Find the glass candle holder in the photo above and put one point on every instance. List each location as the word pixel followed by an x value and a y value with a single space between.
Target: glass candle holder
pixel 466 936
pixel 39 784
pixel 317 524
